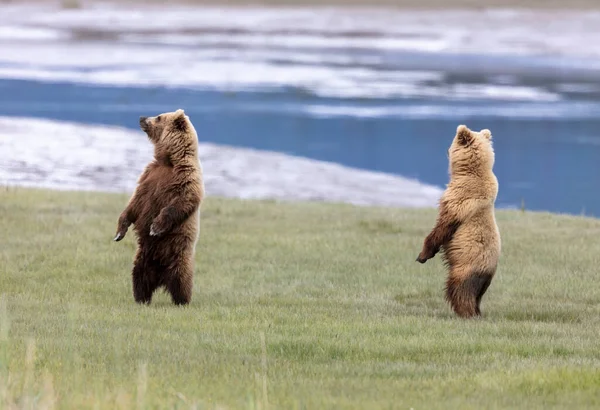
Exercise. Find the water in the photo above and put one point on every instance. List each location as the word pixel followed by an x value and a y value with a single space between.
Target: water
pixel 385 97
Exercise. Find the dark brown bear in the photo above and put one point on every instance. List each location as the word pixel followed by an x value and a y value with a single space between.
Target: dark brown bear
pixel 165 210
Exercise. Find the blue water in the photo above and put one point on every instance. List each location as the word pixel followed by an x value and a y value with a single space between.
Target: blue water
pixel 547 162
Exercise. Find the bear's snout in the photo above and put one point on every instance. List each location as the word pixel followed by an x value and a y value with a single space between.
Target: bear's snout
pixel 144 123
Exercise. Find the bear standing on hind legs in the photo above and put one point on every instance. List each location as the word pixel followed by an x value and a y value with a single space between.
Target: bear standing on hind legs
pixel 466 226
pixel 165 210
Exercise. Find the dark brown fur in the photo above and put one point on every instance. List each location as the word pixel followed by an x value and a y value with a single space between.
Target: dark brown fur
pixel 164 211
pixel 464 294
pixel 440 235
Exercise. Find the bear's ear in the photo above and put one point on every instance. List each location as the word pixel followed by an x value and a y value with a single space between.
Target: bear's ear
pixel 487 134
pixel 180 112
pixel 180 122
pixel 463 135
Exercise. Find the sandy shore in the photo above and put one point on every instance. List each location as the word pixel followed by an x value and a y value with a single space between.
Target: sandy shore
pixel 413 4
pixel 409 4
pixel 110 159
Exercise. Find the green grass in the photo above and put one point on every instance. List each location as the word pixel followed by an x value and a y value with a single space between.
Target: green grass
pixel 295 306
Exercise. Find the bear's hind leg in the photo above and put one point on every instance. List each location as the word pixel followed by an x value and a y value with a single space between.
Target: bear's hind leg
pixel 465 292
pixel 180 283
pixel 145 280
pixel 486 280
pixel 459 297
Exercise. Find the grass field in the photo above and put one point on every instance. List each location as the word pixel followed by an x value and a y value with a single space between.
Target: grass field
pixel 295 306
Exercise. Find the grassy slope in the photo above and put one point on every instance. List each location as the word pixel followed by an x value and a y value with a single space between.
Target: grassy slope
pixel 350 320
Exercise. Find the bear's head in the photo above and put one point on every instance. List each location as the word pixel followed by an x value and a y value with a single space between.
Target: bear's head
pixel 172 134
pixel 471 152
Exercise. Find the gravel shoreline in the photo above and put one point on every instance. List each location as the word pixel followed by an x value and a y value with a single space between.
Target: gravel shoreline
pixel 70 156
pixel 407 4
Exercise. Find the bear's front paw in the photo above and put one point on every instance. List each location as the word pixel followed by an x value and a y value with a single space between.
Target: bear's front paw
pixel 122 227
pixel 156 229
pixel 424 257
pixel 120 234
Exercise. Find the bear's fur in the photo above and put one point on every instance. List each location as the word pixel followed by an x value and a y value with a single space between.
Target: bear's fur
pixel 165 210
pixel 466 225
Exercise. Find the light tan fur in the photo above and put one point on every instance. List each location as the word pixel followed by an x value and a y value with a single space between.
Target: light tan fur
pixel 165 210
pixel 466 226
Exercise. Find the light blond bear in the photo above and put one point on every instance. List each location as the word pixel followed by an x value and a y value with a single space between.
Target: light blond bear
pixel 466 226
pixel 165 210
